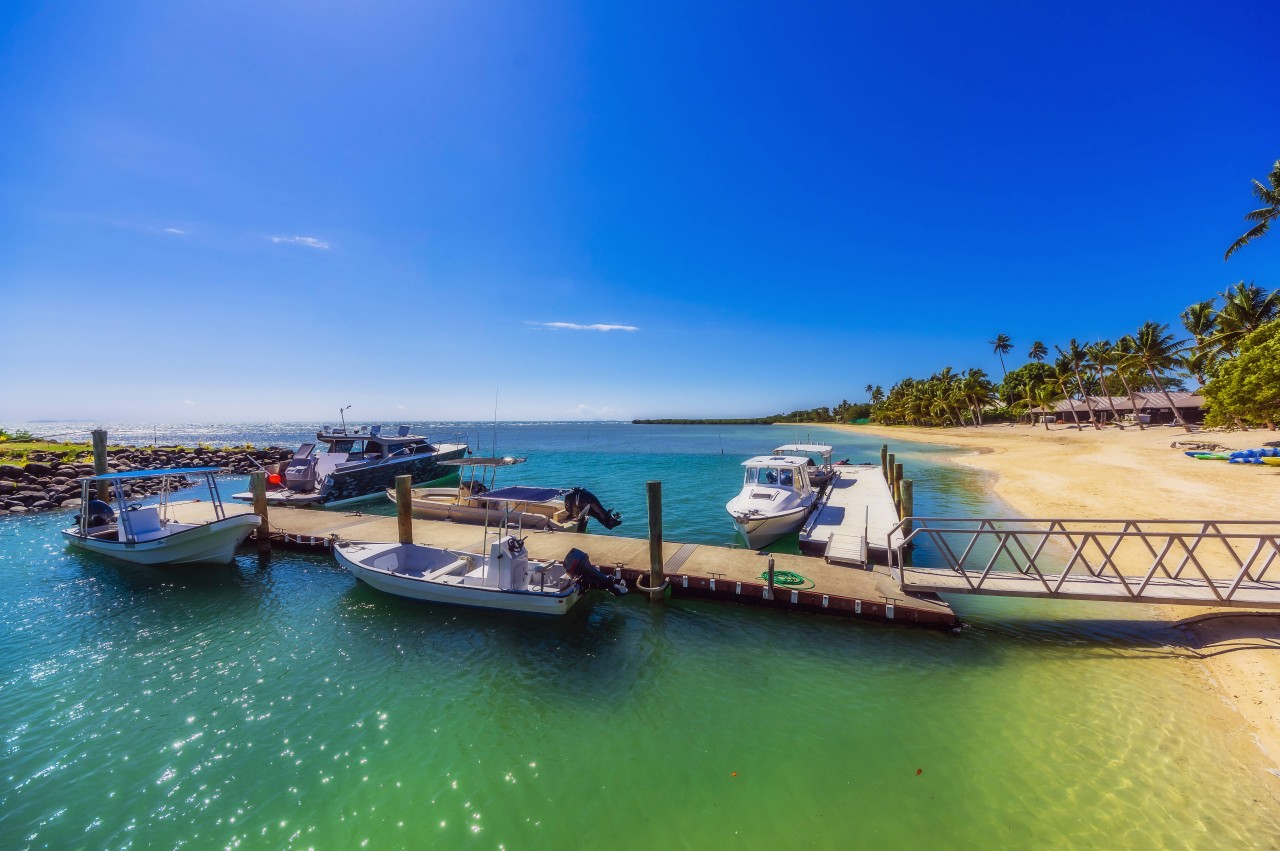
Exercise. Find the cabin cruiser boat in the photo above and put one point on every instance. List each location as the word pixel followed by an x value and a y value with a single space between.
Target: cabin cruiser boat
pixel 500 576
pixel 475 501
pixel 356 464
pixel 144 534
pixel 775 499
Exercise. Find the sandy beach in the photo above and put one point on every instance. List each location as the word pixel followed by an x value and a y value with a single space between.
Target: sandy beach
pixel 1132 474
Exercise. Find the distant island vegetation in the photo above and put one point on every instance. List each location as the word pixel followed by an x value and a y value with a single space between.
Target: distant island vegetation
pixel 845 412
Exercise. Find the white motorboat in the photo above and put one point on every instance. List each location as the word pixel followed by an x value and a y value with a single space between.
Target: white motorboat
pixel 356 464
pixel 475 501
pixel 501 577
pixel 145 534
pixel 775 499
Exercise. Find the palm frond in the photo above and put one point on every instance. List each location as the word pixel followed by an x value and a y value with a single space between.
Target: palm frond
pixel 1252 234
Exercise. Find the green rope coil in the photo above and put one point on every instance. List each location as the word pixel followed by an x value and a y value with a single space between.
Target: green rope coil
pixel 787 578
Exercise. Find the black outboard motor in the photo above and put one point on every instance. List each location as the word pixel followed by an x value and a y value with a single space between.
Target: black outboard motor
pixel 578 565
pixel 100 513
pixel 580 500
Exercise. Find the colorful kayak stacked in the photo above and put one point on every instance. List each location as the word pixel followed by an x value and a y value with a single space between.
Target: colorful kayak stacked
pixel 1266 455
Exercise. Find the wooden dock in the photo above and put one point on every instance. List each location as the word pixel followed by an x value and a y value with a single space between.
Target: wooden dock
pixel 692 570
pixel 856 520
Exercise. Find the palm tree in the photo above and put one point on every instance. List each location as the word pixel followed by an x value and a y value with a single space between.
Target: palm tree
pixel 1125 347
pixel 1098 357
pixel 1074 359
pixel 1245 308
pixel 976 388
pixel 1269 212
pixel 1038 352
pixel 877 395
pixel 1157 350
pixel 1061 377
pixel 1046 394
pixel 1001 345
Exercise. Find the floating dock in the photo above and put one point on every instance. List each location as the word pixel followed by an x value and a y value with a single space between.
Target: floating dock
pixel 691 570
pixel 853 522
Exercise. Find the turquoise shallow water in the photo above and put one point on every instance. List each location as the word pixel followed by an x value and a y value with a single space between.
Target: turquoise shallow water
pixel 280 704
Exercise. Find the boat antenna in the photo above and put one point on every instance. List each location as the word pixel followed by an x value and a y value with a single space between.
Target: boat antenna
pixel 342 413
pixel 495 422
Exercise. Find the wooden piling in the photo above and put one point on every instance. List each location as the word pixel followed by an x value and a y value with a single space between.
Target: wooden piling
pixel 258 487
pixel 908 510
pixel 770 595
pixel 884 461
pixel 404 508
pixel 100 462
pixel 654 492
pixel 897 487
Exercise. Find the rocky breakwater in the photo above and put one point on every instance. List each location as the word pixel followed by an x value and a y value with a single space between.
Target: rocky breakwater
pixel 49 480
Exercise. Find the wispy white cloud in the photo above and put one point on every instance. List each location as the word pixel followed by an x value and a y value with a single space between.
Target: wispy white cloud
pixel 187 402
pixel 178 231
pixel 399 407
pixel 573 326
pixel 309 241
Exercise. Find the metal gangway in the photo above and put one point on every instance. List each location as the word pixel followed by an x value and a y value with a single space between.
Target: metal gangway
pixel 1183 562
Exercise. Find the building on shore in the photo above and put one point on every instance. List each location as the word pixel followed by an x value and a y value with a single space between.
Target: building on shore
pixel 1153 409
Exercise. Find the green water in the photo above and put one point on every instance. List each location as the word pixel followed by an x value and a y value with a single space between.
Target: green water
pixel 281 705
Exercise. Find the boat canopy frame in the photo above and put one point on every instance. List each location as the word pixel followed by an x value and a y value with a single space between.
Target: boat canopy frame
pixel 123 518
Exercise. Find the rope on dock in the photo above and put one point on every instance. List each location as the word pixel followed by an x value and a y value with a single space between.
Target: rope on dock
pixel 788 579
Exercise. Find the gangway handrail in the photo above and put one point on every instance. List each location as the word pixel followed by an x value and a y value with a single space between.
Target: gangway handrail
pixel 1207 562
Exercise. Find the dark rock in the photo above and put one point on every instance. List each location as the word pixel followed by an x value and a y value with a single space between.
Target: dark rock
pixel 74 502
pixel 42 505
pixel 7 488
pixel 12 473
pixel 17 509
pixel 36 468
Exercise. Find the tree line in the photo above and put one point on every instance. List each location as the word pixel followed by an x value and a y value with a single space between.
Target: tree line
pixel 1232 354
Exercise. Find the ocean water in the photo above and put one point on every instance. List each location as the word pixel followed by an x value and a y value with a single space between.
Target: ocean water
pixel 278 704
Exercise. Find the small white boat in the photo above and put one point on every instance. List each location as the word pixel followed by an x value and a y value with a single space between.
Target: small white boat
pixel 145 534
pixel 775 499
pixel 503 578
pixel 475 501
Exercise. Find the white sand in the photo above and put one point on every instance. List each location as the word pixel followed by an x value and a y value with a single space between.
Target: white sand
pixel 1132 474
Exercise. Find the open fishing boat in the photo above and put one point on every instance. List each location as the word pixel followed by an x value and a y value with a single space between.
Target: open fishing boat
pixel 355 464
pixel 476 501
pixel 775 499
pixel 145 534
pixel 501 576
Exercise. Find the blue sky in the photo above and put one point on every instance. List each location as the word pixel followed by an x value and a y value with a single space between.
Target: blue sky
pixel 227 211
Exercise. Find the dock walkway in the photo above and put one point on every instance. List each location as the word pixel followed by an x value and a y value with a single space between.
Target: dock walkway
pixel 693 570
pixel 855 520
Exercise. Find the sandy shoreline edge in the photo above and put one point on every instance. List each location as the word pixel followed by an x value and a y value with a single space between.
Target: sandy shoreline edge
pixel 1132 474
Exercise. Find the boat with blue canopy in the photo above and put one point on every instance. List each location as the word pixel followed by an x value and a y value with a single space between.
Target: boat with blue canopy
pixel 145 534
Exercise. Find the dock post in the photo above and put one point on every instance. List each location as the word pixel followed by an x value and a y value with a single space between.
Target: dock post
pixel 884 460
pixel 769 596
pixel 258 487
pixel 100 462
pixel 654 492
pixel 404 508
pixel 897 488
